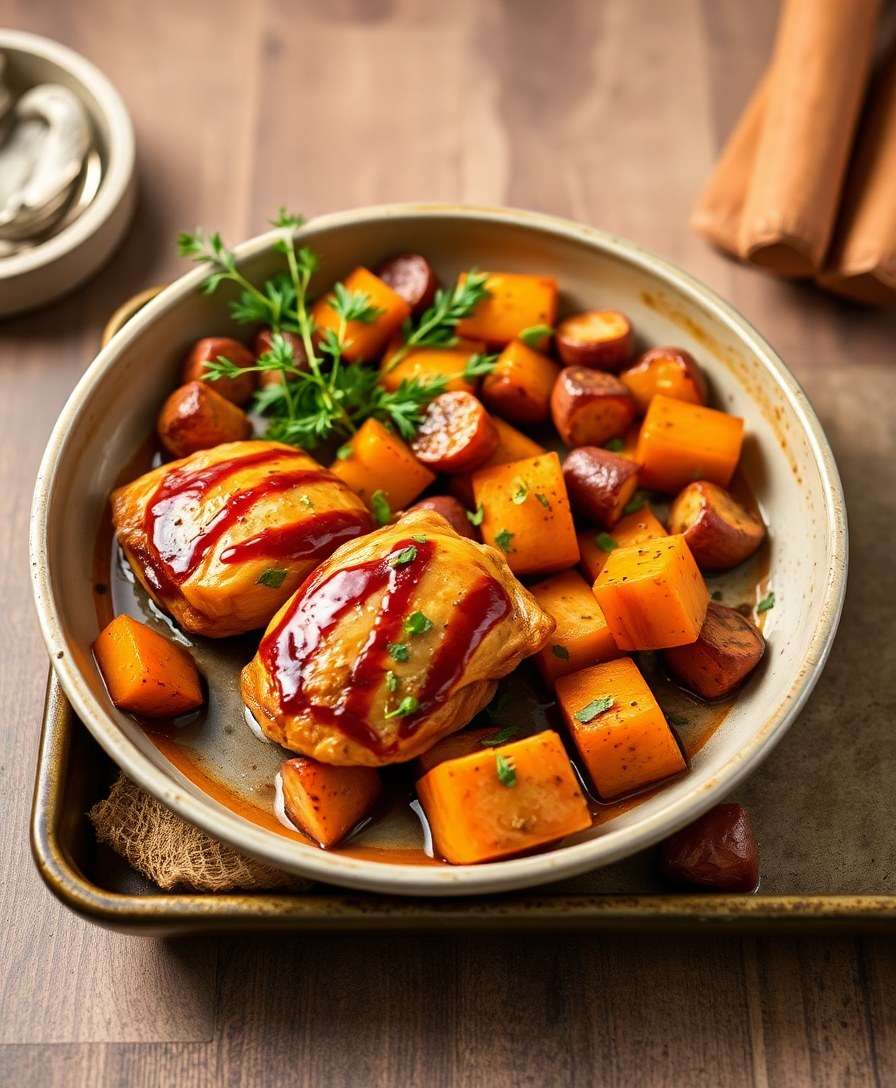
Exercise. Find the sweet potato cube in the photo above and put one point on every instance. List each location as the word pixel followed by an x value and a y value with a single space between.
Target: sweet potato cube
pixel 146 673
pixel 463 743
pixel 513 445
pixel 364 340
pixel 378 460
pixel 681 442
pixel 632 529
pixel 425 364
pixel 653 595
pixel 503 800
pixel 515 302
pixel 619 729
pixel 581 636
pixel 526 514
pixel 326 802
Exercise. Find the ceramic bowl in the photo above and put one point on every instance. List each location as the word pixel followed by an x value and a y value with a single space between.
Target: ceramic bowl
pixel 787 462
pixel 36 276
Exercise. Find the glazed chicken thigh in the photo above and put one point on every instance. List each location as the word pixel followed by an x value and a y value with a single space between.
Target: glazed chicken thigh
pixel 220 539
pixel 394 641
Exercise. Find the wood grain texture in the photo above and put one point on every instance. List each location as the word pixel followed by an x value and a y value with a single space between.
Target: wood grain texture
pixel 607 112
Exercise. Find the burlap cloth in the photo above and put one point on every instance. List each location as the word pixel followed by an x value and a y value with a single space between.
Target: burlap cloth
pixel 173 853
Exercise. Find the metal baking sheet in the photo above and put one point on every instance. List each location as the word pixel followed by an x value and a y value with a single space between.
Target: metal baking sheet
pixel 806 885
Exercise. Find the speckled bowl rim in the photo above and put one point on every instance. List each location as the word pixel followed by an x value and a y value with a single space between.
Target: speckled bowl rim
pixel 564 861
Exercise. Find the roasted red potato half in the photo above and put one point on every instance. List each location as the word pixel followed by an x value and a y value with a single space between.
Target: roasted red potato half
pixel 452 510
pixel 727 650
pixel 717 851
pixel 238 390
pixel 597 338
pixel 718 530
pixel 599 484
pixel 264 341
pixel 195 417
pixel 456 434
pixel 590 407
pixel 671 371
pixel 411 276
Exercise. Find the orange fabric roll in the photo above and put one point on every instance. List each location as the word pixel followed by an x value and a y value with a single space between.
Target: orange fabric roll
pixel 862 262
pixel 819 71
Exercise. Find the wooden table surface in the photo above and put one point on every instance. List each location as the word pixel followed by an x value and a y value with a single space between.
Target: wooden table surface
pixel 607 112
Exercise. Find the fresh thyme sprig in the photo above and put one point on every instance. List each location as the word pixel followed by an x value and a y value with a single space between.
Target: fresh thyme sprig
pixel 437 327
pixel 320 398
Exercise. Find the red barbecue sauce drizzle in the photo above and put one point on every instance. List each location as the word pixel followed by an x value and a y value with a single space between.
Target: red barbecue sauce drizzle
pixel 319 605
pixel 169 558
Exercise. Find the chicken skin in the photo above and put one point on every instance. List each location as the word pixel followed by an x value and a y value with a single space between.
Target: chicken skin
pixel 394 641
pixel 222 538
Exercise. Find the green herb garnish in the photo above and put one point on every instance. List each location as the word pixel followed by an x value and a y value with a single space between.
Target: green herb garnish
pixel 402 558
pixel 676 719
pixel 407 706
pixel 595 707
pixel 417 624
pixel 605 542
pixel 479 364
pixel 474 517
pixel 379 504
pixel 505 771
pixel 353 305
pixel 319 397
pixel 614 445
pixel 543 500
pixel 521 494
pixel 392 681
pixel 535 336
pixel 637 502
pixel 560 651
pixel 503 540
pixel 765 604
pixel 273 577
pixel 344 452
pixel 398 651
pixel 437 325
pixel 501 737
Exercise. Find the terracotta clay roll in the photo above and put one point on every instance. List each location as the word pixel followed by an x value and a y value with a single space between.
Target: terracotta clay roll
pixel 862 262
pixel 719 207
pixel 819 71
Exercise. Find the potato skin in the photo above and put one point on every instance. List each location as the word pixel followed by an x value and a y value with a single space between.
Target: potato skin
pixel 238 390
pixel 411 276
pixel 596 338
pixel 718 530
pixel 727 650
pixel 195 417
pixel 717 851
pixel 452 510
pixel 589 407
pixel 672 371
pixel 456 434
pixel 599 484
pixel 519 387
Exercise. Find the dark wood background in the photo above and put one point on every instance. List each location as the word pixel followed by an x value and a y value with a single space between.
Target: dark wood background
pixel 607 112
